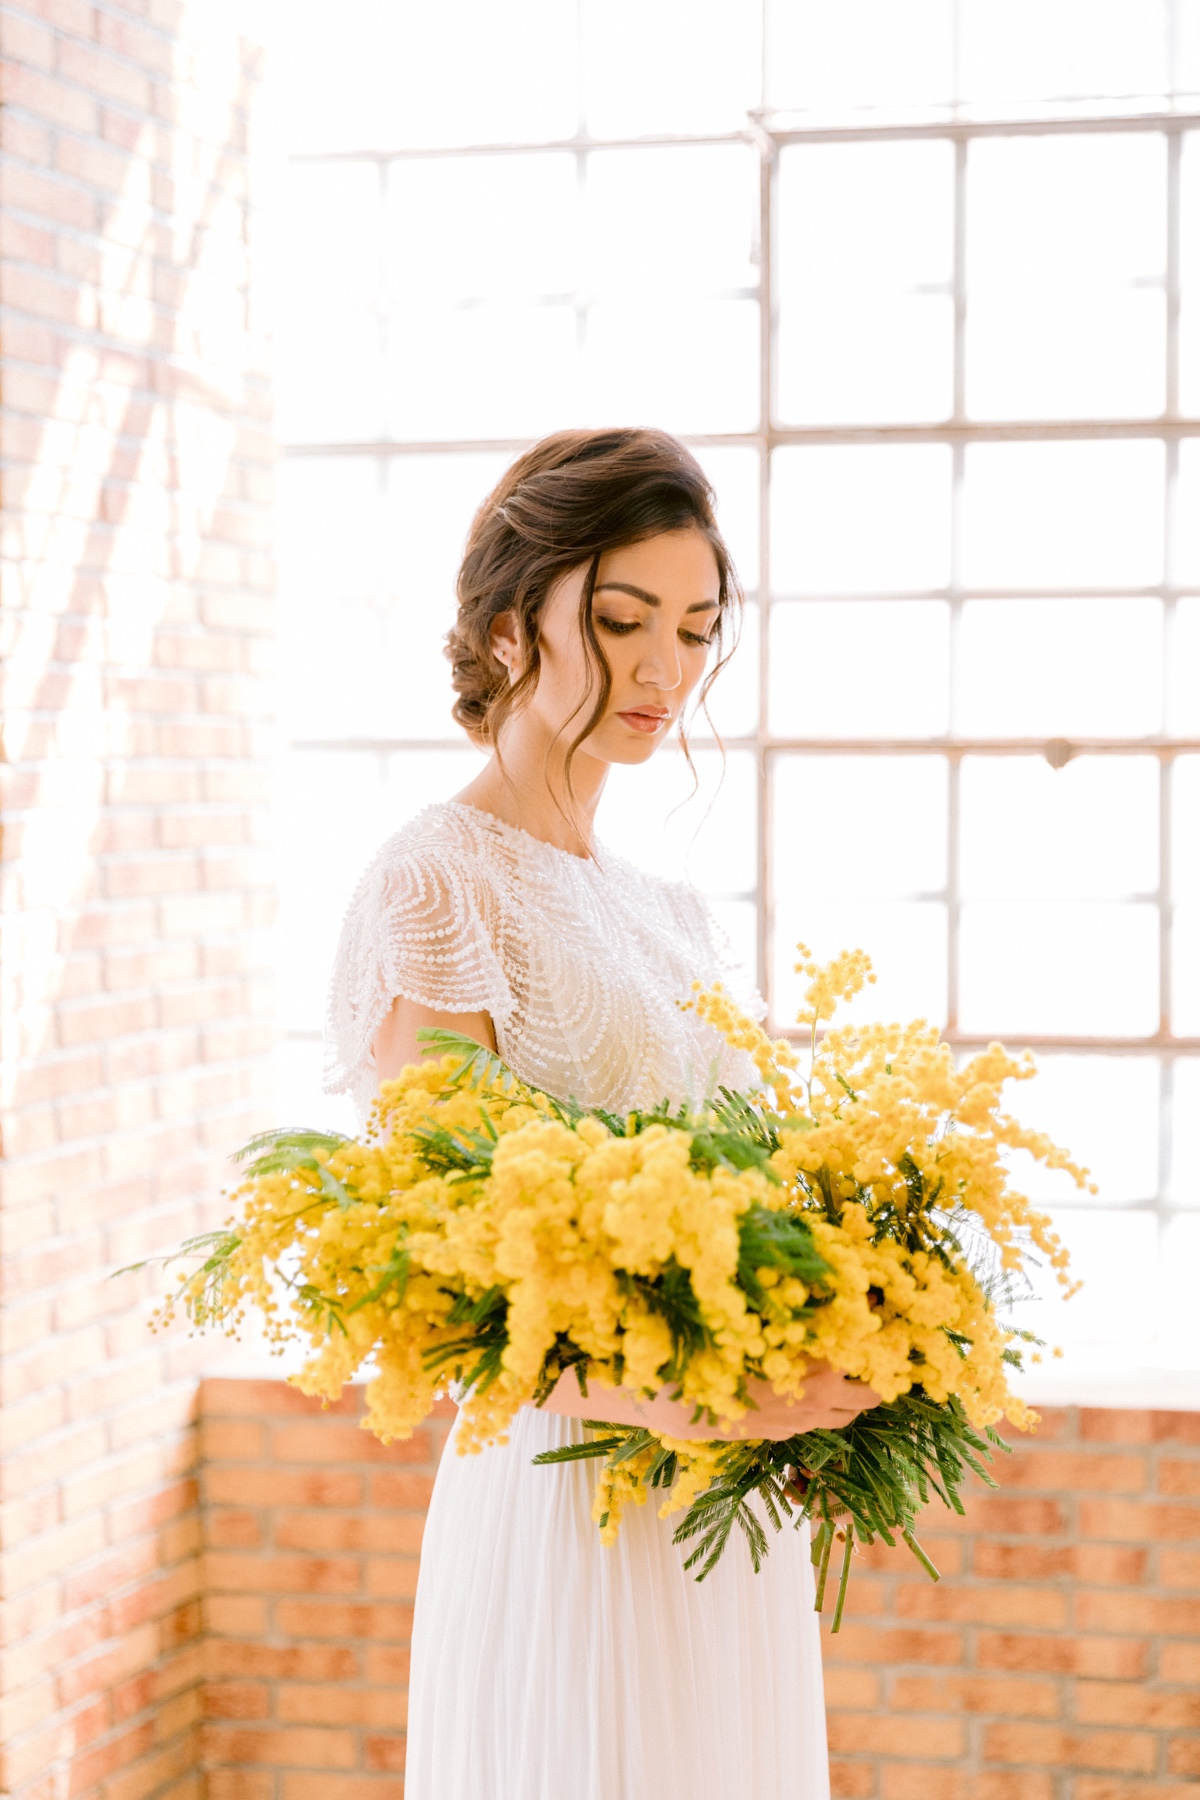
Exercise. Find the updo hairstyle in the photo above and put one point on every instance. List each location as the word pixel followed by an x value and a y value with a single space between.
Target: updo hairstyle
pixel 562 503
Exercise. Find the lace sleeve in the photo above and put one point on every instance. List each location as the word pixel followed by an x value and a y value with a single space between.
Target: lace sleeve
pixel 426 923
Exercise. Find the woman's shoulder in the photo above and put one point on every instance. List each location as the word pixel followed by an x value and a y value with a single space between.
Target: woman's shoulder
pixel 446 844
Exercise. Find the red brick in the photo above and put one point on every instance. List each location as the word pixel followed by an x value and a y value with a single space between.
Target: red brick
pixel 858 1733
pixel 1059 1654
pixel 871 1644
pixel 1059 1471
pixel 1180 1662
pixel 923 1781
pixel 384 1753
pixel 1134 1703
pixel 852 1689
pixel 851 1781
pixel 237 1700
pixel 1013 1698
pixel 295 1746
pixel 230 1657
pixel 1088 1562
pixel 1137 1612
pixel 1003 1604
pixel 1183 1756
pixel 1012 1784
pixel 1096 1787
pixel 332 1619
pixel 1177 1477
pixel 1135 1522
pixel 1129 1751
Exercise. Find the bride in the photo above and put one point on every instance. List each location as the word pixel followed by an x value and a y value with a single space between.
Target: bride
pixel 594 589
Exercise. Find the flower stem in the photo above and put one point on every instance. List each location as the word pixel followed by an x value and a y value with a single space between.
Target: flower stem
pixel 826 1542
pixel 929 1568
pixel 843 1583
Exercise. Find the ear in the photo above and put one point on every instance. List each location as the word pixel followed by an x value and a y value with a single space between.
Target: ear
pixel 505 640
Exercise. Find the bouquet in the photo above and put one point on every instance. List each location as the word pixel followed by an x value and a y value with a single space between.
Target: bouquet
pixel 488 1234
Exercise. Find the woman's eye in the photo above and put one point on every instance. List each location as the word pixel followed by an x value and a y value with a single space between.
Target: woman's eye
pixel 620 627
pixel 693 637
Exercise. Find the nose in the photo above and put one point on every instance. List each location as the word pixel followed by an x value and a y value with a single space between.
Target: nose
pixel 661 667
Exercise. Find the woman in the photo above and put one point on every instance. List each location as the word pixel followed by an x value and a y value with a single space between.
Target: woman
pixel 594 589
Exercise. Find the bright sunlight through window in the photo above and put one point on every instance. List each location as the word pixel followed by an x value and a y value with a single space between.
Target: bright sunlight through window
pixel 929 313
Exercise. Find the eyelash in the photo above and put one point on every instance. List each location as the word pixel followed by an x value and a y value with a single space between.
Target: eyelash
pixel 622 628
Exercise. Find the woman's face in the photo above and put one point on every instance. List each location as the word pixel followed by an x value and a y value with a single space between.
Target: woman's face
pixel 655 610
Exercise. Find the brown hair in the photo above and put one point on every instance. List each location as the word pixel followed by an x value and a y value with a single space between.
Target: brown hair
pixel 565 502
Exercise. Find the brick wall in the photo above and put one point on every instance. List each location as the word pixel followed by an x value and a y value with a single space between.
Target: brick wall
pixel 135 1015
pixel 1058 1659
pixel 313 1530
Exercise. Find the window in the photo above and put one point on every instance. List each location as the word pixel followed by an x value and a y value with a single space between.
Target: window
pixel 920 283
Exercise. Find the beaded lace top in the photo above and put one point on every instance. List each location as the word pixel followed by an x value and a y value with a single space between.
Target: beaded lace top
pixel 579 963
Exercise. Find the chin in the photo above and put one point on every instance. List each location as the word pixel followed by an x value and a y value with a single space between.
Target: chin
pixel 633 751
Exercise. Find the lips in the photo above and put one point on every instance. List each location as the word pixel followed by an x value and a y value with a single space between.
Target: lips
pixel 648 718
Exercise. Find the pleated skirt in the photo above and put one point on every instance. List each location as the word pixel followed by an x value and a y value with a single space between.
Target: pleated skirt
pixel 547 1666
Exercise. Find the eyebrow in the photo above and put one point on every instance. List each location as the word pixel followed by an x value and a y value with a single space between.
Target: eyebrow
pixel 625 587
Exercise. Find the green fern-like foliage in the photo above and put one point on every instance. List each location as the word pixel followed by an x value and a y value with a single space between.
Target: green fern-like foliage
pixel 870 1479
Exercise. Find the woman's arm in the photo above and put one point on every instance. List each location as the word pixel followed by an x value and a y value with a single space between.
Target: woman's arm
pixel 830 1399
pixel 397 1042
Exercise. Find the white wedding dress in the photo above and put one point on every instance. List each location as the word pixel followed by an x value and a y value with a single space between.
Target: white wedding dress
pixel 546 1666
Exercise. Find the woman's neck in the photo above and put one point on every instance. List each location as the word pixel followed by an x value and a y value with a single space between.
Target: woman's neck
pixel 529 792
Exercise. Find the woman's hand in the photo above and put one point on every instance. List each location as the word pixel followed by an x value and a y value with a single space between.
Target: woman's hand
pixel 830 1399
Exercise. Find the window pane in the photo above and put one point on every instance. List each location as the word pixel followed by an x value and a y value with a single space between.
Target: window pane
pixel 651 814
pixel 831 55
pixel 1183 669
pixel 1187 513
pixel 1063 515
pixel 1053 49
pixel 1075 1100
pixel 328 338
pixel 860 517
pixel 365 607
pixel 734 475
pixel 688 366
pixel 1060 667
pixel 1185 828
pixel 1189 263
pixel 1089 831
pixel 672 219
pixel 299 1068
pixel 332 591
pixel 1187 46
pixel 906 941
pixel 1185 966
pixel 676 66
pixel 733 701
pixel 495 370
pixel 1184 1184
pixel 1077 968
pixel 470 227
pixel 865 268
pixel 371 74
pixel 1066 258
pixel 824 809
pixel 1120 1306
pixel 900 654
pixel 353 798
pixel 431 502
